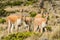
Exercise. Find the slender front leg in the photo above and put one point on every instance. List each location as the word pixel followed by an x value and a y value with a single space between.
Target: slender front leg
pixel 41 30
pixel 12 28
pixel 16 27
pixel 9 24
pixel 43 26
pixel 27 27
pixel 35 28
pixel 45 29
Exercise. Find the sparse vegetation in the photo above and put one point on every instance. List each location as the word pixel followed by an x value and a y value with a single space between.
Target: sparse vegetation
pixel 14 3
pixel 49 28
pixel 30 2
pixel 3 13
pixel 34 1
pixel 33 14
pixel 1 28
pixel 18 36
pixel 2 20
pixel 51 6
pixel 56 35
pixel 17 3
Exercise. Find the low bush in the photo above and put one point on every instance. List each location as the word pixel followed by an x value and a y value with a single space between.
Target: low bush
pixel 11 12
pixel 18 36
pixel 32 14
pixel 34 1
pixel 1 28
pixel 2 20
pixel 27 3
pixel 10 3
pixel 3 13
pixel 17 3
pixel 30 2
pixel 49 28
pixel 14 3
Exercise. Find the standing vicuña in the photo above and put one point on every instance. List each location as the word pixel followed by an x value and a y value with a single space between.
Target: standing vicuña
pixel 27 20
pixel 39 22
pixel 14 20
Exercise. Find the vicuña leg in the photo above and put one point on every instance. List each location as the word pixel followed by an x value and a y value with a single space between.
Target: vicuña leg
pixel 16 27
pixel 9 25
pixel 18 22
pixel 41 30
pixel 35 28
pixel 12 27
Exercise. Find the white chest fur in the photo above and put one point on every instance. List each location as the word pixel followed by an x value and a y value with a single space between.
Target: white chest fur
pixel 43 24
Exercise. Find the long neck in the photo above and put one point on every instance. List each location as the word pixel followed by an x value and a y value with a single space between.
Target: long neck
pixel 41 11
pixel 24 18
pixel 47 18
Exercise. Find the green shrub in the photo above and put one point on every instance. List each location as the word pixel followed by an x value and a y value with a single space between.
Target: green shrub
pixel 43 16
pixel 14 3
pixel 27 3
pixel 1 28
pixel 49 28
pixel 33 1
pixel 18 36
pixel 17 3
pixel 33 14
pixel 2 20
pixel 30 2
pixel 3 13
pixel 2 5
pixel 11 11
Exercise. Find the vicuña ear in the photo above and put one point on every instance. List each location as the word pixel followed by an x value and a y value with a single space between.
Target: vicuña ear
pixel 42 10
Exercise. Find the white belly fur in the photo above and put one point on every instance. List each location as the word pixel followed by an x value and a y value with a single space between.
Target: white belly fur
pixel 19 21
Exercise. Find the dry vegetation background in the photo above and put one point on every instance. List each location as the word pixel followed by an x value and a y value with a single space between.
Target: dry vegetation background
pixel 31 7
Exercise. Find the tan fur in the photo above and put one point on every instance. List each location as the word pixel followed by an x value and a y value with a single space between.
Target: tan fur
pixel 38 20
pixel 38 16
pixel 13 18
pixel 27 23
pixel 28 19
pixel 13 21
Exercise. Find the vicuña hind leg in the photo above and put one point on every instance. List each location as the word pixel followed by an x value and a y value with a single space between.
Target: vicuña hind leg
pixel 16 27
